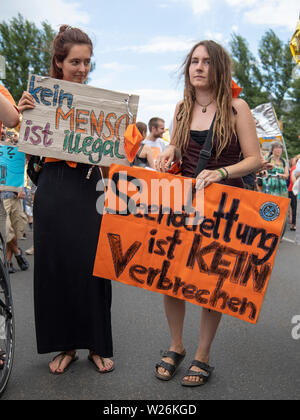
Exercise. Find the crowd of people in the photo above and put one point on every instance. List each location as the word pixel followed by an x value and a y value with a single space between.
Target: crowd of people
pixel 18 209
pixel 58 217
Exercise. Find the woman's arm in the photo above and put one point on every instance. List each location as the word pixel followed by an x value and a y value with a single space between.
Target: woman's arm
pixel 297 170
pixel 286 173
pixel 246 132
pixel 8 113
pixel 171 154
pixel 146 153
pixel 293 177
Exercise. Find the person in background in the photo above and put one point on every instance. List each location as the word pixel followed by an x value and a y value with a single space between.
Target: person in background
pixel 144 156
pixel 15 226
pixel 292 196
pixel 154 139
pixel 297 170
pixel 275 182
pixel 9 116
pixel 296 175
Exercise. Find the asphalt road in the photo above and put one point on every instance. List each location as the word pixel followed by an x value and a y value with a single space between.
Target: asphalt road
pixel 252 362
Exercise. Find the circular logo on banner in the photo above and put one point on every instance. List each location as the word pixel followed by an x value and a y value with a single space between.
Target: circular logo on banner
pixel 270 211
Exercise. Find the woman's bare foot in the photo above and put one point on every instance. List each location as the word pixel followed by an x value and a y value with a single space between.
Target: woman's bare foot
pixel 177 349
pixel 61 362
pixel 103 364
pixel 197 369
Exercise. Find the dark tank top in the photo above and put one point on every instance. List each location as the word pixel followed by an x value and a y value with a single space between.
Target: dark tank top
pixel 229 156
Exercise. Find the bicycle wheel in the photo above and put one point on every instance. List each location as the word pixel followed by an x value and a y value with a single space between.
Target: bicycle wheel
pixel 7 330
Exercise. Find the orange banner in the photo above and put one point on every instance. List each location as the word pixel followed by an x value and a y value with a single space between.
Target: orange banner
pixel 214 248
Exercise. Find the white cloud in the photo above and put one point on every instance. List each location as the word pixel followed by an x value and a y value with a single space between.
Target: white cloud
pixel 215 36
pixel 199 7
pixel 157 103
pixel 170 67
pixel 162 44
pixel 159 95
pixel 117 67
pixel 55 12
pixel 242 3
pixel 269 12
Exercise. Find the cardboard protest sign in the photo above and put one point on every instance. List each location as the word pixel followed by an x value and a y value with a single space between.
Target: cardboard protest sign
pixel 216 251
pixel 12 167
pixel 76 122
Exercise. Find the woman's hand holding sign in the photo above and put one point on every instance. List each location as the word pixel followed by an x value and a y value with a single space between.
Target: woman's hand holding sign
pixel 165 159
pixel 206 178
pixel 26 102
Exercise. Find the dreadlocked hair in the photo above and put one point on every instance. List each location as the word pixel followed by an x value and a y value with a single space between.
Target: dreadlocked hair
pixel 220 83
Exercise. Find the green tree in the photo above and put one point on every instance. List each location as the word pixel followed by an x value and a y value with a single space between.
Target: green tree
pixel 247 73
pixel 291 120
pixel 269 79
pixel 276 69
pixel 26 49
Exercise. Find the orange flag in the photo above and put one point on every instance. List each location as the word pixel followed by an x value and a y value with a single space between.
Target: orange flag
pixel 236 90
pixel 133 139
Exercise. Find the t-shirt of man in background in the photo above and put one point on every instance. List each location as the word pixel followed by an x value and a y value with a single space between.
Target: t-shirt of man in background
pixel 154 139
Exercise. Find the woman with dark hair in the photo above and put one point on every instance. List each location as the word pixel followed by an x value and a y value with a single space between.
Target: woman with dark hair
pixel 207 95
pixel 72 308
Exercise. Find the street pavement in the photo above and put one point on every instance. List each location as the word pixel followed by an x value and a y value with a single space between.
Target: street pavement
pixel 252 362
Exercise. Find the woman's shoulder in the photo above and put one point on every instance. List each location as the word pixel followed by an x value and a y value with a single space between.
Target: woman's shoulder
pixel 240 105
pixel 179 105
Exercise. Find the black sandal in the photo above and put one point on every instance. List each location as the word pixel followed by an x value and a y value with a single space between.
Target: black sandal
pixel 64 354
pixel 171 369
pixel 203 375
pixel 2 358
pixel 90 358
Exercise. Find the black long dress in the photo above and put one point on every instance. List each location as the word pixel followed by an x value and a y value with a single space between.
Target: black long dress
pixel 72 307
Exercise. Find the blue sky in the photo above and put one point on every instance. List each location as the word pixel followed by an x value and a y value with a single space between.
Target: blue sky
pixel 140 44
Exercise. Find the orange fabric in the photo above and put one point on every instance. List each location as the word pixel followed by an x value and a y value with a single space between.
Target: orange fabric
pixel 175 169
pixel 71 164
pixel 133 139
pixel 236 90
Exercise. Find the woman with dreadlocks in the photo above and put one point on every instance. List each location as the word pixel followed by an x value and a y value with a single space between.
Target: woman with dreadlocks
pixel 207 100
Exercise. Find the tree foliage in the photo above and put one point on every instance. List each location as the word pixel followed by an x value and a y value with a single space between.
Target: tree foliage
pixel 27 49
pixel 291 120
pixel 269 78
pixel 247 73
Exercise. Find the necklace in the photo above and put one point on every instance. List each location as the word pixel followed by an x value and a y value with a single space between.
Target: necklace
pixel 204 107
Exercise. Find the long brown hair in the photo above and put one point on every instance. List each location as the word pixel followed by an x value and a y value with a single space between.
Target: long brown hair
pixel 220 83
pixel 63 42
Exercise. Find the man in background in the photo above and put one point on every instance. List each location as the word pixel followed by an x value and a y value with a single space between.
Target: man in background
pixel 154 139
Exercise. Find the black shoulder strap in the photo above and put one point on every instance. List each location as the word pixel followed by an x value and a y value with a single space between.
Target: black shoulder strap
pixel 205 153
